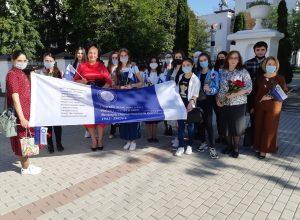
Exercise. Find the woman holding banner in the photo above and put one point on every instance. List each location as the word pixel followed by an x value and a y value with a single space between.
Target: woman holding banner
pixel 18 97
pixel 94 72
pixel 128 77
pixel 50 69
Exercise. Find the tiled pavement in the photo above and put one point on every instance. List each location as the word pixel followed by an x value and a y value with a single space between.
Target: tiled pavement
pixel 151 183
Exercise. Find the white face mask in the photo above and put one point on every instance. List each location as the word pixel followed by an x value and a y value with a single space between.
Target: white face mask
pixel 124 59
pixel 49 65
pixel 21 65
pixel 153 66
pixel 115 62
pixel 169 60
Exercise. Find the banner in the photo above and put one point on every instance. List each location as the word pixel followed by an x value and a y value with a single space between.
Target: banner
pixel 59 102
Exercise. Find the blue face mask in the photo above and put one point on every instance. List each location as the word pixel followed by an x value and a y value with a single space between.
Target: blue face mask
pixel 204 64
pixel 187 69
pixel 270 69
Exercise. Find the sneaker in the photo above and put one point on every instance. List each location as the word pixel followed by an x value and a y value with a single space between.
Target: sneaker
pixel 31 170
pixel 203 147
pixel 87 134
pixel 213 153
pixel 126 146
pixel 132 146
pixel 179 152
pixel 188 150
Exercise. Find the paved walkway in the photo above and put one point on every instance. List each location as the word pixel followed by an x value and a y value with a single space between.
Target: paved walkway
pixel 151 183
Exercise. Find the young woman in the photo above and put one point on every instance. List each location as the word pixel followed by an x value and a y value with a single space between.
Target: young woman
pixel 189 85
pixel 50 69
pixel 152 79
pixel 128 77
pixel 80 57
pixel 233 114
pixel 94 72
pixel 207 101
pixel 112 67
pixel 219 65
pixel 18 97
pixel 195 59
pixel 266 108
pixel 177 69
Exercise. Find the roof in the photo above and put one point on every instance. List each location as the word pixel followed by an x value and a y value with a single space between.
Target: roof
pixel 64 55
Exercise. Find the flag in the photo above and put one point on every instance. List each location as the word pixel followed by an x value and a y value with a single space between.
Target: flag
pixel 40 135
pixel 70 73
pixel 71 103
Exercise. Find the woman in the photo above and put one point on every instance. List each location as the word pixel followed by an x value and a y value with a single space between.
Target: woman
pixel 189 86
pixel 128 77
pixel 112 67
pixel 233 103
pixel 80 57
pixel 18 97
pixel 195 59
pixel 207 101
pixel 266 108
pixel 152 79
pixel 219 65
pixel 94 72
pixel 177 69
pixel 50 69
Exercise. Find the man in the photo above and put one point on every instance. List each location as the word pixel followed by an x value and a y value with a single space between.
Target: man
pixel 254 68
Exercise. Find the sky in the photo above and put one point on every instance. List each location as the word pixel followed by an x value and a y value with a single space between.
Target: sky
pixel 202 7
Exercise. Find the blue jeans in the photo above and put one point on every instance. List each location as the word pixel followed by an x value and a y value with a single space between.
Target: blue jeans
pixel 181 133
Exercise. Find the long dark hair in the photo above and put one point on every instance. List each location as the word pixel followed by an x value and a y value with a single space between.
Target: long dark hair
pixel 16 54
pixel 199 68
pixel 158 69
pixel 84 58
pixel 110 64
pixel 56 71
pixel 118 70
pixel 239 66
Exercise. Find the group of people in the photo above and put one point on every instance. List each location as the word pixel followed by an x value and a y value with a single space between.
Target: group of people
pixel 227 88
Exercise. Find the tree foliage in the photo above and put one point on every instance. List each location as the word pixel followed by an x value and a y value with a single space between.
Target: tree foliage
pixel 285 48
pixel 18 31
pixel 144 27
pixel 239 22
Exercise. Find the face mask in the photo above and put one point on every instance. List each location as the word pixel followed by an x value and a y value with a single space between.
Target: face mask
pixel 49 65
pixel 187 69
pixel 115 62
pixel 195 59
pixel 270 69
pixel 124 59
pixel 169 60
pixel 153 66
pixel 221 62
pixel 178 61
pixel 204 64
pixel 21 65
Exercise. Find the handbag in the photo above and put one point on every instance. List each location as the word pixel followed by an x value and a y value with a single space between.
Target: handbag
pixel 28 146
pixel 195 115
pixel 8 121
pixel 248 140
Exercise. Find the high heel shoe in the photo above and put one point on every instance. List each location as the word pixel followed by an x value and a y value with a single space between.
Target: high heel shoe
pixel 94 148
pixel 235 153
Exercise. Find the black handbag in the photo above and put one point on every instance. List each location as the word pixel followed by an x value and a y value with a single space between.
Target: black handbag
pixel 195 116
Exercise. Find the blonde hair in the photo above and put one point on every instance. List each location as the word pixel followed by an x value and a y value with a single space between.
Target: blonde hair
pixel 267 60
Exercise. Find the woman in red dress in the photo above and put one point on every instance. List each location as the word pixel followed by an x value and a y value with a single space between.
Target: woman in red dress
pixel 18 97
pixel 91 72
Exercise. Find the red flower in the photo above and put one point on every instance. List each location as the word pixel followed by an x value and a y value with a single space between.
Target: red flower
pixel 239 83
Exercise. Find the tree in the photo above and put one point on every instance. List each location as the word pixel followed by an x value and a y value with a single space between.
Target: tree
pixel 294 30
pixel 285 48
pixel 17 29
pixel 181 41
pixel 198 36
pixel 239 22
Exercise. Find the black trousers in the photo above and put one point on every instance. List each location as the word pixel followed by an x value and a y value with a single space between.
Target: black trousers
pixel 57 132
pixel 207 106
